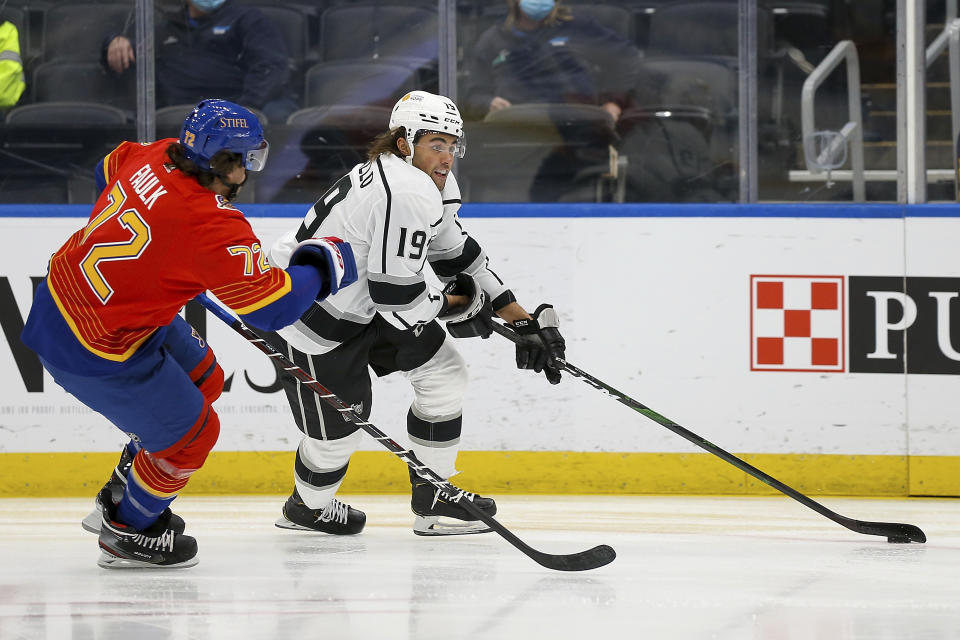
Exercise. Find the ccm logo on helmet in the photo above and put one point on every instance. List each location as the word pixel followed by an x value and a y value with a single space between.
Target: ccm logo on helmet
pixel 236 123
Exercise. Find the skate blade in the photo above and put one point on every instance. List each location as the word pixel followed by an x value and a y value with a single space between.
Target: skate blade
pixel 434 526
pixel 92 522
pixel 283 523
pixel 108 561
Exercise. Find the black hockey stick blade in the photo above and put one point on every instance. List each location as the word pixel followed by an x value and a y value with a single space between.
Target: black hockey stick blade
pixel 599 556
pixel 583 561
pixel 892 531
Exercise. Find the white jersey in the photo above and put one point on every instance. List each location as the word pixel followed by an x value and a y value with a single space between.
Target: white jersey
pixel 395 220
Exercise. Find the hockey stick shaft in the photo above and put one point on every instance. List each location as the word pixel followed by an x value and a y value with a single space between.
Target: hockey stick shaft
pixel 590 559
pixel 895 532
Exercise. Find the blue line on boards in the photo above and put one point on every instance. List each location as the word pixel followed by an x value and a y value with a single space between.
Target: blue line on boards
pixel 578 210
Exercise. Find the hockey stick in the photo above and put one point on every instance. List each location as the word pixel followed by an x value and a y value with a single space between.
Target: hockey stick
pixel 590 559
pixel 894 531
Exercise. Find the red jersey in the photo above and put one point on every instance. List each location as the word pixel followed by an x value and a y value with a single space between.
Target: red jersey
pixel 155 240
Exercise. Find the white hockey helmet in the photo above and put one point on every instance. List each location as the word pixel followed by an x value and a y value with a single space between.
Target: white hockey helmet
pixel 420 112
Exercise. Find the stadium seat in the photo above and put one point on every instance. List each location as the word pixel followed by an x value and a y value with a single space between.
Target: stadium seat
pixel 704 29
pixel 372 117
pixel 349 82
pixel 553 114
pixel 424 4
pixel 65 81
pixel 617 19
pixel 539 153
pixel 322 144
pixel 375 31
pixel 293 25
pixel 668 153
pixel 805 24
pixel 75 31
pixel 692 61
pixel 66 113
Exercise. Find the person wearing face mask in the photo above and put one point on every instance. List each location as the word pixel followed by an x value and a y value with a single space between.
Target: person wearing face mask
pixel 216 47
pixel 105 321
pixel 398 210
pixel 545 53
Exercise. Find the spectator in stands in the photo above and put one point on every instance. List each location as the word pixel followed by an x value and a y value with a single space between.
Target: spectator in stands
pixel 213 47
pixel 544 53
pixel 11 66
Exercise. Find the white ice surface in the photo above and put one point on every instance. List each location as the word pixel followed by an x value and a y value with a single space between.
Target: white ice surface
pixel 687 567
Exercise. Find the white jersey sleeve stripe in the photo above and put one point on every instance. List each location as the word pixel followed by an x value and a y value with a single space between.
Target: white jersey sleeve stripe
pixel 386 217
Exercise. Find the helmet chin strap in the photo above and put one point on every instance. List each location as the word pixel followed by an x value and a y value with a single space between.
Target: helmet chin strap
pixel 233 186
pixel 411 143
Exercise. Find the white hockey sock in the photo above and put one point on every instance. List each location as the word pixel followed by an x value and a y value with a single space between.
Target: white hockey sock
pixel 324 456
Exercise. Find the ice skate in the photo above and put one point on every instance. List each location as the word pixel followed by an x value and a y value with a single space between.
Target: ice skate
pixel 336 518
pixel 116 485
pixel 156 547
pixel 439 516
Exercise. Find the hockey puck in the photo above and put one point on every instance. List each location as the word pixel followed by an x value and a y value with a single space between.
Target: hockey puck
pixel 898 539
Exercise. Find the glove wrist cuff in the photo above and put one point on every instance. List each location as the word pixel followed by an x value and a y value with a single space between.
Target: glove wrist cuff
pixel 526 326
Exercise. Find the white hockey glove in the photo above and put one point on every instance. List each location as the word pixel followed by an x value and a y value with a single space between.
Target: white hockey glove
pixel 541 343
pixel 332 257
pixel 472 319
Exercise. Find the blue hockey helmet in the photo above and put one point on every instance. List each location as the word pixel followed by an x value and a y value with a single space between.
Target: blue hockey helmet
pixel 215 125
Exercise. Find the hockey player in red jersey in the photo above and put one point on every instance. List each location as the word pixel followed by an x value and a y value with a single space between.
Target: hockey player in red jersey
pixel 105 320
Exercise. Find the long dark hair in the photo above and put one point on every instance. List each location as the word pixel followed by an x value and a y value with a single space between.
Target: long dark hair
pixel 386 143
pixel 222 163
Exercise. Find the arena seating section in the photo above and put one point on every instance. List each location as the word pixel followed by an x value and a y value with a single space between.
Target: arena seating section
pixel 351 60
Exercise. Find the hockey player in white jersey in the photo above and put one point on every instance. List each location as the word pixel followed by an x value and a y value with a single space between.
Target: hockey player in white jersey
pixel 398 211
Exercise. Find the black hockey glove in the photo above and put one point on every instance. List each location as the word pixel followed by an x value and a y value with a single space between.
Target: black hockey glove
pixel 541 343
pixel 472 319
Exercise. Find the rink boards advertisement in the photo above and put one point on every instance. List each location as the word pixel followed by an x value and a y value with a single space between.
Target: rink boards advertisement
pixel 818 341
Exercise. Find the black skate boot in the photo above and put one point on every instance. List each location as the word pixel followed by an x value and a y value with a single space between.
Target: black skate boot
pixel 156 547
pixel 430 505
pixel 117 484
pixel 337 518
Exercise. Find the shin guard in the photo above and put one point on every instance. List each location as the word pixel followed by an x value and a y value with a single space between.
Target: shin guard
pixel 156 478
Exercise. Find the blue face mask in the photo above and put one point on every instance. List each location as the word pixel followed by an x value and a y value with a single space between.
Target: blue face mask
pixel 537 9
pixel 207 6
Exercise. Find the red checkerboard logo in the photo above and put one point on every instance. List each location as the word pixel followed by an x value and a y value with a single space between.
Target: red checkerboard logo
pixel 797 323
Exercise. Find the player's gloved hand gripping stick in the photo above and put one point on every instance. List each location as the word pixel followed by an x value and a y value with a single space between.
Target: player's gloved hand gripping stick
pixel 331 256
pixel 894 531
pixel 539 343
pixel 590 559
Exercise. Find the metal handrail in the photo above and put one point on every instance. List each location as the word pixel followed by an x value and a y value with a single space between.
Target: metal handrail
pixel 950 37
pixel 844 51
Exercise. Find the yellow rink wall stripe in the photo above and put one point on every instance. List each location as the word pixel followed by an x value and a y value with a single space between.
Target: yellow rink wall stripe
pixel 547 472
